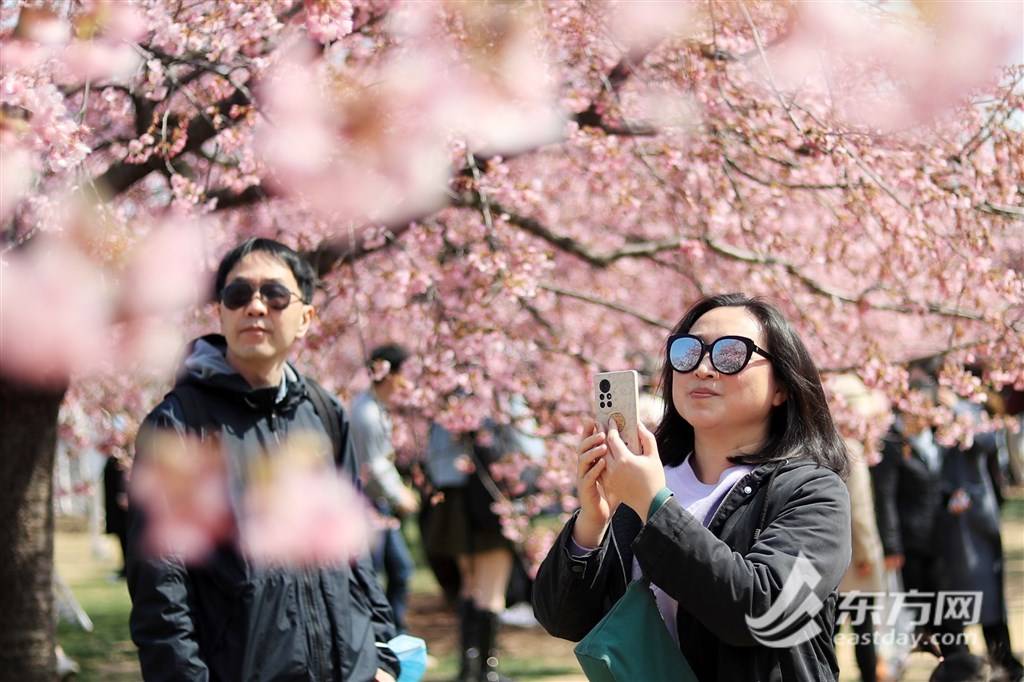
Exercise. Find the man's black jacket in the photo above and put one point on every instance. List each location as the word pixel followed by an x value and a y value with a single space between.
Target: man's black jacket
pixel 720 575
pixel 228 619
pixel 907 496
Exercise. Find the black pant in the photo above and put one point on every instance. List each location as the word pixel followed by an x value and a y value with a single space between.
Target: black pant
pixel 997 641
pixel 122 540
pixel 919 573
pixel 864 646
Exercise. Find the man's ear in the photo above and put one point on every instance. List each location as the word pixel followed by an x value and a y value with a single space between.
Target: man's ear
pixel 308 315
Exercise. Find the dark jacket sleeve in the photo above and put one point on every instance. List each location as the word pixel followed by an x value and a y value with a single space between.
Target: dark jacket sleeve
pixel 885 477
pixel 161 621
pixel 722 588
pixel 364 578
pixel 570 593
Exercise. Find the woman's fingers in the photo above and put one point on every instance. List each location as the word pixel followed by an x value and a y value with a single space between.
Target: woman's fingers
pixel 591 441
pixel 616 448
pixel 588 458
pixel 595 473
pixel 648 442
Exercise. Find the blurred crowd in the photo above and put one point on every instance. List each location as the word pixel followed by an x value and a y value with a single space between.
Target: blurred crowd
pixel 925 523
pixel 926 527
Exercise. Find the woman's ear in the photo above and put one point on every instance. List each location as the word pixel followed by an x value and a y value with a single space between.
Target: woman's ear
pixel 779 397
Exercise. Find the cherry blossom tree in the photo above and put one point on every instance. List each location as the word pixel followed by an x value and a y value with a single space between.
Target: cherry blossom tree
pixel 521 193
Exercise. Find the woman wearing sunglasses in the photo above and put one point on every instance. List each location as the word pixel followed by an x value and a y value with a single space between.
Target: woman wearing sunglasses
pixel 735 511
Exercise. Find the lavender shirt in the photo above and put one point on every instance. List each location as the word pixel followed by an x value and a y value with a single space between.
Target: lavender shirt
pixel 702 501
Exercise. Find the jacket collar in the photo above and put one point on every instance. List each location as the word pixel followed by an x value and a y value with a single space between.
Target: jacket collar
pixel 206 366
pixel 626 523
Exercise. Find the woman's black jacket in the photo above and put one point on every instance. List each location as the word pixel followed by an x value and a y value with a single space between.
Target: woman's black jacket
pixel 721 575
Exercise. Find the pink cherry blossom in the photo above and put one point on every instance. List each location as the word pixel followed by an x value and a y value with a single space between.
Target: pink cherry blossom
pixel 360 157
pixel 167 272
pixel 299 512
pixel 16 175
pixel 181 485
pixel 328 20
pixel 56 309
pixel 521 194
pixel 641 25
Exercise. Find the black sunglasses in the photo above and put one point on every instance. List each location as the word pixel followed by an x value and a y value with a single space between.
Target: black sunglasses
pixel 240 292
pixel 729 354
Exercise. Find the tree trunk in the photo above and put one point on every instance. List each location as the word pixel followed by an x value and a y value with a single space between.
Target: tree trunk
pixel 28 440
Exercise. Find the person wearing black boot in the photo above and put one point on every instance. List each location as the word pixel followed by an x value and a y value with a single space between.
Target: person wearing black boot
pixel 463 526
pixel 469 647
pixel 488 626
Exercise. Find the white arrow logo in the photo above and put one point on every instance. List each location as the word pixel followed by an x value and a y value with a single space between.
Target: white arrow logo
pixel 768 628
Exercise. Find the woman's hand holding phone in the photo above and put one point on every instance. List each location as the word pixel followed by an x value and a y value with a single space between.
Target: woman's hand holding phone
pixel 634 478
pixel 596 504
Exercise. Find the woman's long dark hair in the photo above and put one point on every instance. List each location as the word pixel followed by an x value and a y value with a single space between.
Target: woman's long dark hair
pixel 801 427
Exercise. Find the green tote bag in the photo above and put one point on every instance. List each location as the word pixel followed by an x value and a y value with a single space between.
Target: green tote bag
pixel 631 643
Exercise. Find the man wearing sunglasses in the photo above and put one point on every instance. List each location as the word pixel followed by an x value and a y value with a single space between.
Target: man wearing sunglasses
pixel 229 619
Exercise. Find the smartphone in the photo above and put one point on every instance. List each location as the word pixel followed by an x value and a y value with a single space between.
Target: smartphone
pixel 617 396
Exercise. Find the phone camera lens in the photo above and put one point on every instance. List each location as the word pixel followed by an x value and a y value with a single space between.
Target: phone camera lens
pixel 605 386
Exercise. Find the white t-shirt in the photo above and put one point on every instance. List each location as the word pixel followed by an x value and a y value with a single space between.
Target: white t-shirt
pixel 702 501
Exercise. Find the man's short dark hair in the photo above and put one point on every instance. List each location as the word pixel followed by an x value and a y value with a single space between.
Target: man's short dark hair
pixel 393 353
pixel 300 267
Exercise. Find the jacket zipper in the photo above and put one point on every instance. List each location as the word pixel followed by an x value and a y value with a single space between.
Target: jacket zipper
pixel 318 660
pixel 316 647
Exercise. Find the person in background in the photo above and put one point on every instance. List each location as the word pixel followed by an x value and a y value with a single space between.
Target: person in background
pixel 906 484
pixel 865 574
pixel 115 506
pixel 463 526
pixel 971 543
pixel 375 453
pixel 1013 406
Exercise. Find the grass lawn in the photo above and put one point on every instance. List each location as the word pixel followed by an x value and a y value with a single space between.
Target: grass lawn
pixel 107 654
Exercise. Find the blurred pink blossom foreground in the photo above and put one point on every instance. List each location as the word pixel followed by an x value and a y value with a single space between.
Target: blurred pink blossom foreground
pixel 297 510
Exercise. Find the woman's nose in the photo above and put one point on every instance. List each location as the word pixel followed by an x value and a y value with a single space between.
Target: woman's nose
pixel 705 369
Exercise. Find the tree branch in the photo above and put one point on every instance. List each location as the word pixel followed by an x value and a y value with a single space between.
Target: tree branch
pixel 472 200
pixel 350 248
pixel 966 345
pixel 745 256
pixel 768 69
pixel 250 195
pixel 985 131
pixel 781 183
pixel 611 305
pixel 1003 211
pixel 121 176
pixel 593 117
